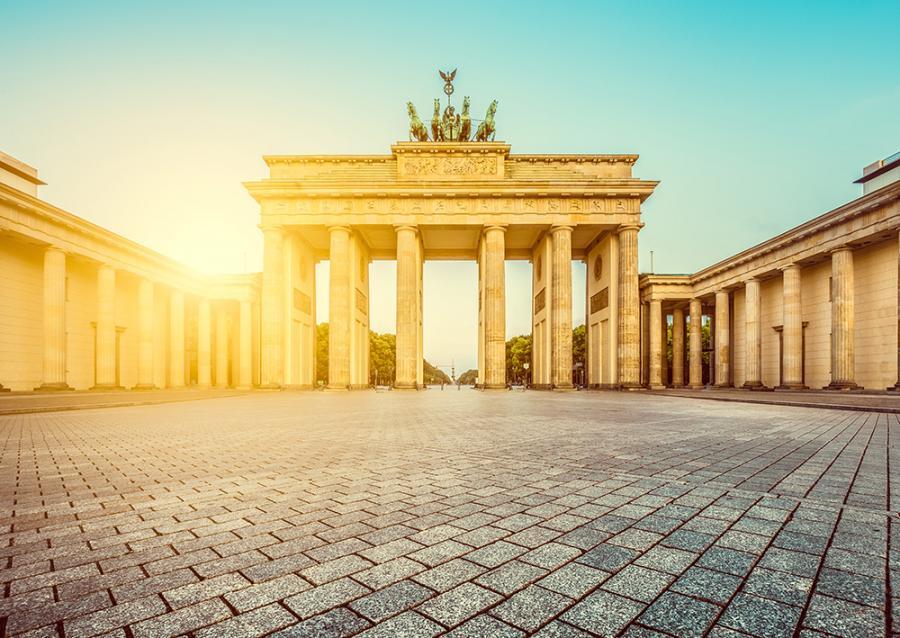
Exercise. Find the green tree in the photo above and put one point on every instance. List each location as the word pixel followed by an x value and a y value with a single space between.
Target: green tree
pixel 322 352
pixel 579 345
pixel 434 375
pixel 518 353
pixel 468 377
pixel 382 357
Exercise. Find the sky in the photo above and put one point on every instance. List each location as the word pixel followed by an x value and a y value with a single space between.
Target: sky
pixel 146 118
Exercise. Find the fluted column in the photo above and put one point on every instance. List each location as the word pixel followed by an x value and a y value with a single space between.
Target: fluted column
pixel 406 368
pixel 222 349
pixel 106 329
pixel 696 345
pixel 204 345
pixel 655 380
pixel 176 339
pixel 561 308
pixel 339 309
pixel 146 320
pixel 678 348
pixel 629 309
pixel 273 298
pixel 842 320
pixel 753 346
pixel 245 374
pixel 723 340
pixel 792 331
pixel 54 351
pixel 495 307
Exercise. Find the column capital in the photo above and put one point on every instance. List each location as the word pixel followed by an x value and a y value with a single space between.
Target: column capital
pixel 557 227
pixel 791 266
pixel 268 227
pixel 412 227
pixel 631 226
pixel 751 280
pixel 500 227
pixel 337 227
pixel 845 248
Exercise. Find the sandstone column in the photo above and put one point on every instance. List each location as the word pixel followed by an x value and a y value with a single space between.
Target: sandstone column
pixel 339 318
pixel 792 332
pixel 561 308
pixel 222 349
pixel 176 339
pixel 696 345
pixel 106 329
pixel 495 307
pixel 629 309
pixel 146 321
pixel 723 340
pixel 655 380
pixel 842 320
pixel 245 374
pixel 678 348
pixel 54 356
pixel 272 371
pixel 896 386
pixel 406 369
pixel 204 345
pixel 753 348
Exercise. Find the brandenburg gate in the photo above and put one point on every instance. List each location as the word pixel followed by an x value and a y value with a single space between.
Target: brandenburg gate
pixel 440 198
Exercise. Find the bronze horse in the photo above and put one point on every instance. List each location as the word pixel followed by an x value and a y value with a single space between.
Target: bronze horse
pixel 417 130
pixel 486 130
pixel 465 127
pixel 436 122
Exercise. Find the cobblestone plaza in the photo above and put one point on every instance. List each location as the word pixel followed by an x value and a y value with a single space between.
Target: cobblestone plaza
pixel 449 513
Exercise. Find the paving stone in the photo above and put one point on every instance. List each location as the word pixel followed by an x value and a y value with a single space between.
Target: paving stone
pixel 639 583
pixel 680 615
pixel 573 580
pixel 324 597
pixel 603 613
pixel 257 622
pixel 390 601
pixel 702 583
pixel 182 621
pixel 406 625
pixel 484 625
pixel 459 604
pixel 760 617
pixel 667 559
pixel 856 588
pixel 265 593
pixel 449 575
pixel 337 623
pixel 609 558
pixel 388 573
pixel 532 607
pixel 558 629
pixel 550 556
pixel 495 554
pixel 779 586
pixel 727 560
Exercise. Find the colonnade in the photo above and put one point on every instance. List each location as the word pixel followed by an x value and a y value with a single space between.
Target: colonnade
pixel 792 366
pixel 149 341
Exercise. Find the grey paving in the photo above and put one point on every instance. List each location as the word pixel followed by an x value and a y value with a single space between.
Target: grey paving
pixel 455 512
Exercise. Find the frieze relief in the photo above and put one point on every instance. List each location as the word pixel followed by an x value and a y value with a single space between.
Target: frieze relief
pixel 454 205
pixel 481 165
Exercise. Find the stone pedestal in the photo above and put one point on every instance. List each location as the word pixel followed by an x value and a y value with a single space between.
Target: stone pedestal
pixel 176 339
pixel 339 319
pixel 792 335
pixel 842 321
pixel 655 362
pixel 696 345
pixel 561 308
pixel 495 308
pixel 406 369
pixel 54 355
pixel 146 321
pixel 204 345
pixel 273 314
pixel 678 348
pixel 106 330
pixel 723 340
pixel 753 347
pixel 629 355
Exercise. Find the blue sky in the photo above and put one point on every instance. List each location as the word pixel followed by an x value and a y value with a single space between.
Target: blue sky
pixel 146 117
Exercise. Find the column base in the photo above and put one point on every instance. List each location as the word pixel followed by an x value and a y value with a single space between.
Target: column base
pixel 244 387
pixel 842 386
pixel 540 386
pixel 145 386
pixel 106 387
pixel 755 386
pixel 406 386
pixel 695 386
pixel 656 386
pixel 564 387
pixel 724 386
pixel 495 386
pixel 630 387
pixel 54 387
pixel 792 386
pixel 677 386
pixel 893 388
pixel 267 386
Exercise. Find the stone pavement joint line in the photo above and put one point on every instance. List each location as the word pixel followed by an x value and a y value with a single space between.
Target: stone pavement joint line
pixel 451 513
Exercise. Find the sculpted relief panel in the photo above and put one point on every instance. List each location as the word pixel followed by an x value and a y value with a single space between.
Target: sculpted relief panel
pixel 480 165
